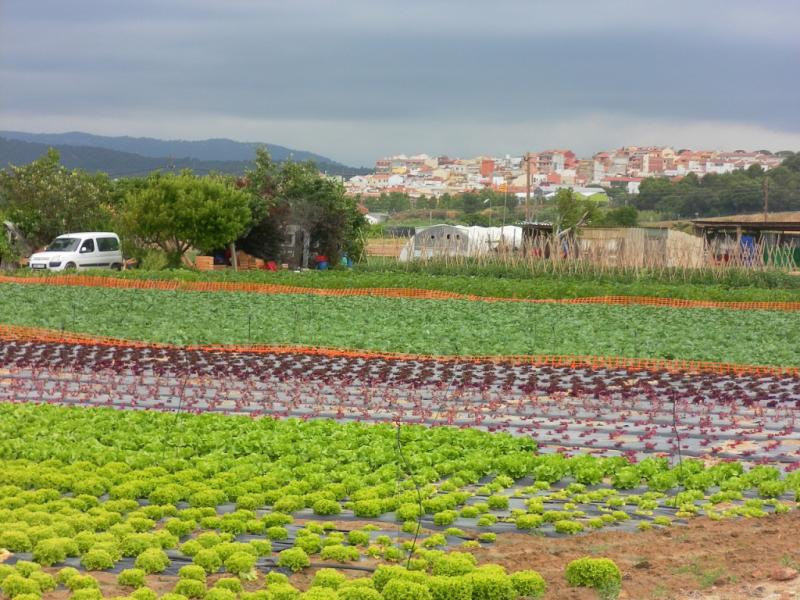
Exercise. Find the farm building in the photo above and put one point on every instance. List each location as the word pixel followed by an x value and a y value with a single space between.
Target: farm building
pixel 756 238
pixel 458 240
pixel 640 247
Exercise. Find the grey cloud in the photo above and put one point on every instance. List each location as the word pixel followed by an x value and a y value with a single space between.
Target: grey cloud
pixel 409 65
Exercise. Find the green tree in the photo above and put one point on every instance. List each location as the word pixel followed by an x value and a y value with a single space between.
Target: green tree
pixel 318 204
pixel 623 216
pixel 45 199
pixel 179 212
pixel 573 211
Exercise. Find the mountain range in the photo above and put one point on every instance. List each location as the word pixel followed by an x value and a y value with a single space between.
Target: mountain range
pixel 128 156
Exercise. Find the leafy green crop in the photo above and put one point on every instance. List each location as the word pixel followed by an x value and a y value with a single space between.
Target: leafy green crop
pixel 414 326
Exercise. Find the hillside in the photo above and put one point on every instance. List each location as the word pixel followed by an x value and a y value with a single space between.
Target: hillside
pixel 128 164
pixel 213 149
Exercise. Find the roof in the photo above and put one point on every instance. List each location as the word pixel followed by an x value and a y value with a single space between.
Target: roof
pixel 92 233
pixel 785 221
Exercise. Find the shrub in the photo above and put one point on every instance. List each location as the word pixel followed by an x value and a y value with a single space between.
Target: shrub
pixel 293 558
pixel 358 537
pixel 276 518
pixel 44 580
pixel 326 507
pixel 240 563
pixel 529 584
pixel 274 577
pixel 601 574
pixel 567 526
pixel 208 559
pixel 131 578
pixel 87 594
pixel 771 489
pixel 359 593
pixel 386 573
pixel 277 532
pixel 260 547
pixel 97 560
pixel 320 593
pixel 408 512
pixel 445 517
pixel 191 547
pixel 173 596
pixel 450 588
pixel 311 543
pixel 497 502
pixel 330 578
pixel 136 543
pixel 65 574
pixel 283 591
pixel 54 550
pixel 26 568
pixel 402 589
pixel 527 521
pixel 229 583
pixel 368 508
pixel 393 554
pixel 195 572
pixel 16 585
pixel 455 563
pixel 340 553
pixel 82 582
pixel 144 593
pixel 152 560
pixel 15 541
pixel 491 586
pixel 218 593
pixel 191 588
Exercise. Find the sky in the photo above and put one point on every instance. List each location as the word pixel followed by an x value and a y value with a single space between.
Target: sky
pixel 356 80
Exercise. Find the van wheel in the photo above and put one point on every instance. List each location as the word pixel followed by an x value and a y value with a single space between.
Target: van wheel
pixel 116 267
pixel 70 266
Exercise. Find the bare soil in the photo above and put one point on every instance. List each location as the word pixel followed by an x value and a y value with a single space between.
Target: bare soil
pixel 713 560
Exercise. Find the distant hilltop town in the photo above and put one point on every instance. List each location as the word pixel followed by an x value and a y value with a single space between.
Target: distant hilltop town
pixel 423 175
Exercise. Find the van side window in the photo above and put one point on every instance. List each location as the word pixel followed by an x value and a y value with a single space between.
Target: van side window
pixel 87 246
pixel 107 244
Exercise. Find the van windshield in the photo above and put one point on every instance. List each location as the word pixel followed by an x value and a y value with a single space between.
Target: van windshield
pixel 64 245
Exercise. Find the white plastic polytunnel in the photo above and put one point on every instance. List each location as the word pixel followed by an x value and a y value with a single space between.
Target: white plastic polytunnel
pixel 458 240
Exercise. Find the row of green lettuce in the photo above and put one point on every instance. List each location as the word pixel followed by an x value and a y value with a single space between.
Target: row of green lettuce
pixel 434 327
pixel 745 286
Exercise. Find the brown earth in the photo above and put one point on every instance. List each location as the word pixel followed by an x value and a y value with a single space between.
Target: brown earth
pixel 733 559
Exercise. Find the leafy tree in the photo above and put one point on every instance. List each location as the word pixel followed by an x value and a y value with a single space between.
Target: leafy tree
pixel 623 216
pixel 45 199
pixel 301 196
pixel 179 212
pixel 573 211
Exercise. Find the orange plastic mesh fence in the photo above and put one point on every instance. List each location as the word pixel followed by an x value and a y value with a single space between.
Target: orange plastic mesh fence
pixel 34 334
pixel 269 288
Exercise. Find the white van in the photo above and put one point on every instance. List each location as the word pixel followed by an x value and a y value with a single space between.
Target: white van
pixel 88 250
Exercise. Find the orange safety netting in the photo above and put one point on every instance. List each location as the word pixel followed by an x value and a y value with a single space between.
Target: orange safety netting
pixel 421 294
pixel 35 334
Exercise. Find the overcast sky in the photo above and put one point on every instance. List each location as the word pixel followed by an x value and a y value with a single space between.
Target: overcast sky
pixel 359 79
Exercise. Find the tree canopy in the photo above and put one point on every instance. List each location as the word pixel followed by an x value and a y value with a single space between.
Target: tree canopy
pixel 179 212
pixel 742 191
pixel 45 199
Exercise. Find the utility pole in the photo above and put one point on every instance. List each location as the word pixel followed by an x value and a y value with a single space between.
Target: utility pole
pixel 766 197
pixel 527 184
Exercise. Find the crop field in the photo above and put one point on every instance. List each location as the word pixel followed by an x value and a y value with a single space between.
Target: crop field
pixel 229 445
